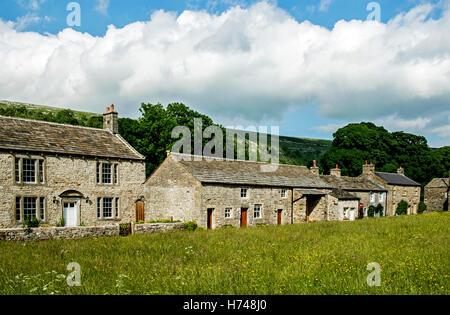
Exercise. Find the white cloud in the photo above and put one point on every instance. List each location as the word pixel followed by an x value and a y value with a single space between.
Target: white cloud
pixel 328 129
pixel 324 5
pixel 31 4
pixel 250 62
pixel 102 6
pixel 395 123
pixel 23 21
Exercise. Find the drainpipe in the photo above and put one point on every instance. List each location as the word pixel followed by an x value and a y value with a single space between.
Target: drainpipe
pixel 292 206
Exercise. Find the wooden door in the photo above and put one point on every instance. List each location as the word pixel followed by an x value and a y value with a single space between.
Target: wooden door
pixel 244 217
pixel 210 219
pixel 140 213
pixel 308 209
pixel 280 212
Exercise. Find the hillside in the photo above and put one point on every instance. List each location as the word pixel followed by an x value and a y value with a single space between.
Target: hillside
pixel 299 151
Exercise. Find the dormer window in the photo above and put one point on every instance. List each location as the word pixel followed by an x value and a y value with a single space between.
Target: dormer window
pixel 29 170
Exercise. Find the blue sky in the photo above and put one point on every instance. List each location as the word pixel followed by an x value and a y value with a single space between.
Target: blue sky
pixel 311 113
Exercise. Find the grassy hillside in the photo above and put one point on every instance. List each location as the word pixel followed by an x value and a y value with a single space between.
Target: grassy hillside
pixel 293 150
pixel 318 258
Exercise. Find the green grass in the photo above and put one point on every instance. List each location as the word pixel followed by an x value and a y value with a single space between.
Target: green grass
pixel 319 258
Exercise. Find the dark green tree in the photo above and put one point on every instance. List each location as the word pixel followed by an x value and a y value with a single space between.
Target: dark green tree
pixel 402 208
pixel 357 143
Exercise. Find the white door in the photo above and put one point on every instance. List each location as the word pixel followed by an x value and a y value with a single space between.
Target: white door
pixel 352 214
pixel 70 214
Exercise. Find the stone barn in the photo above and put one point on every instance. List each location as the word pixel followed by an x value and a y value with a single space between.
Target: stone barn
pixel 436 194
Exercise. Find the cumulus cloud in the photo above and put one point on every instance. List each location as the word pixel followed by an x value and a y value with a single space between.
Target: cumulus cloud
pixel 251 63
pixel 102 6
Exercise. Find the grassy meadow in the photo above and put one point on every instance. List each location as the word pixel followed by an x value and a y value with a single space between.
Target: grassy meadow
pixel 318 258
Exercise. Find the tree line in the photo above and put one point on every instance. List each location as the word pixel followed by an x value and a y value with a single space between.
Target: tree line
pixel 356 143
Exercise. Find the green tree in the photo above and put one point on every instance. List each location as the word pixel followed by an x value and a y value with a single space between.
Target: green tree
pixel 356 143
pixel 442 161
pixel 402 208
pixel 422 207
pixel 154 130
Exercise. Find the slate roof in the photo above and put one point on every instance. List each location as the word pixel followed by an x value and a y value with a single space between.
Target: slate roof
pixel 224 171
pixel 343 195
pixel 352 183
pixel 438 183
pixel 27 135
pixel 397 179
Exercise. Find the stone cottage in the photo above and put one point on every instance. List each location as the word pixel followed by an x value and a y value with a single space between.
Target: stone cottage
pixel 437 194
pixel 368 192
pixel 52 171
pixel 219 192
pixel 399 187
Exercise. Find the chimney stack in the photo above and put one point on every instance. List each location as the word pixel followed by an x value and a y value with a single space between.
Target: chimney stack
pixel 315 169
pixel 110 120
pixel 401 171
pixel 336 171
pixel 368 169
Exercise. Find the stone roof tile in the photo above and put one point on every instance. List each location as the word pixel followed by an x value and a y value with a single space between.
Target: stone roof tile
pixel 44 137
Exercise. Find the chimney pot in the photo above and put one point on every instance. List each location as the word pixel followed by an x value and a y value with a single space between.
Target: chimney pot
pixel 315 169
pixel 336 171
pixel 110 120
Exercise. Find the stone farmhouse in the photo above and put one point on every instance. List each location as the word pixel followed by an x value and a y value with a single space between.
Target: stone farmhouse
pixel 219 192
pixel 93 177
pixel 399 187
pixel 369 192
pixel 437 194
pixel 51 171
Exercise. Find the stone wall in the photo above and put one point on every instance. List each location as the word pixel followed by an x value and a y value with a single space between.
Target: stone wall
pixel 63 173
pixel 365 200
pixel 40 234
pixel 319 207
pixel 219 197
pixel 436 198
pixel 50 233
pixel 156 228
pixel 172 193
pixel 396 194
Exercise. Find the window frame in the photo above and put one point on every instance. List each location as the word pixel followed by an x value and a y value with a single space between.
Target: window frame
pixel 283 193
pixel 114 208
pixel 39 170
pixel 246 193
pixel 105 174
pixel 101 173
pixel 259 211
pixel 104 201
pixel 228 214
pixel 372 197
